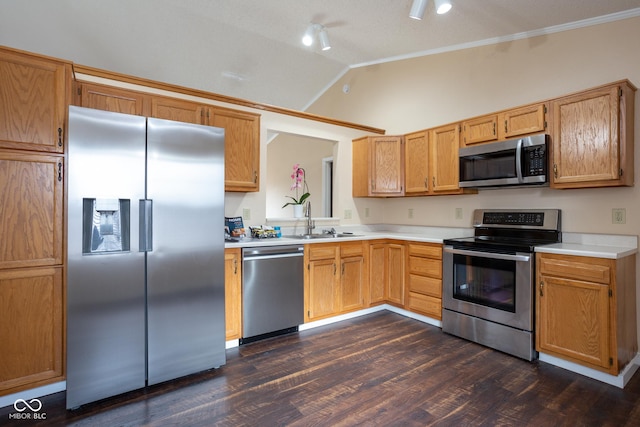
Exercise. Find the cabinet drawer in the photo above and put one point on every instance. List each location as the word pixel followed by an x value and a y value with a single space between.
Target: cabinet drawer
pixel 351 249
pixel 428 251
pixel 430 306
pixel 320 251
pixel 425 285
pixel 596 270
pixel 425 267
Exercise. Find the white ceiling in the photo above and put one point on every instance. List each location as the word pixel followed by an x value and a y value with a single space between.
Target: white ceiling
pixel 251 49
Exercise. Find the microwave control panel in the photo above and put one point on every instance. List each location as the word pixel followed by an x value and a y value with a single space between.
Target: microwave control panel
pixel 535 160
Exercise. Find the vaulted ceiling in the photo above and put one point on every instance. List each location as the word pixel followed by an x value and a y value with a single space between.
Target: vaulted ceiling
pixel 252 49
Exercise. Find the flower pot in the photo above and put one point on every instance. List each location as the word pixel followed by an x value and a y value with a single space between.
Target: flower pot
pixel 298 211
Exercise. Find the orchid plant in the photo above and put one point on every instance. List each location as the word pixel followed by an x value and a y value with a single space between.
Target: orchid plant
pixel 299 182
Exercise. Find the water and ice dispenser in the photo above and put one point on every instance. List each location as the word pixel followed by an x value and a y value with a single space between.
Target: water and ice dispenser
pixel 105 226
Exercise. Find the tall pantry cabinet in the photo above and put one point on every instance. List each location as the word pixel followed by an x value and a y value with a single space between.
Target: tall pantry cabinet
pixel 34 95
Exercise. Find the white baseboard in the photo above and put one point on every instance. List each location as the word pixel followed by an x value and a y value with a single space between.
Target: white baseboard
pixel 33 393
pixel 619 381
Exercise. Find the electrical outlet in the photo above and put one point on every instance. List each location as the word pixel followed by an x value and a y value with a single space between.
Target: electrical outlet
pixel 347 214
pixel 246 213
pixel 366 212
pixel 410 212
pixel 458 213
pixel 618 216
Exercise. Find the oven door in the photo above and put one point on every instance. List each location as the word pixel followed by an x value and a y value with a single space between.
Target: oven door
pixel 497 287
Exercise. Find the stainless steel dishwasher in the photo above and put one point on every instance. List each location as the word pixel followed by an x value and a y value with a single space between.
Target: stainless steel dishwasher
pixel 272 291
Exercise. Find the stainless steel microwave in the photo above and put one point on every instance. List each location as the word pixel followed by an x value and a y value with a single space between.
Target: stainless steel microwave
pixel 515 162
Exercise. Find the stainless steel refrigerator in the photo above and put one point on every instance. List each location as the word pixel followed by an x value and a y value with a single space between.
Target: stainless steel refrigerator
pixel 145 279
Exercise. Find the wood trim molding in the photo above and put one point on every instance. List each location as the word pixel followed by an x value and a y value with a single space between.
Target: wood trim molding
pixel 82 69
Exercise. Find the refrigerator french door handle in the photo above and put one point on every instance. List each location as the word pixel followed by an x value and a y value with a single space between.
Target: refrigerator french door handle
pixel 146 225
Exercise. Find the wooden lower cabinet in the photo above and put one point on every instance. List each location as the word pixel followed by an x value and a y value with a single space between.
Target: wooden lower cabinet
pixel 233 293
pixel 386 272
pixel 424 279
pixel 31 328
pixel 586 310
pixel 335 278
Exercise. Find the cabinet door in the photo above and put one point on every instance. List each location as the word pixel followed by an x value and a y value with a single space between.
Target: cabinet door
pixel 352 283
pixel 396 272
pixel 377 272
pixel 178 110
pixel 573 320
pixel 445 166
pixel 480 129
pixel 31 328
pixel 31 206
pixel 233 293
pixel 387 166
pixel 523 121
pixel 585 138
pixel 33 99
pixel 416 146
pixel 323 295
pixel 241 148
pixel 113 99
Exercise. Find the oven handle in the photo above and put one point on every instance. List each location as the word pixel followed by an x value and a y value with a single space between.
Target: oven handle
pixel 493 255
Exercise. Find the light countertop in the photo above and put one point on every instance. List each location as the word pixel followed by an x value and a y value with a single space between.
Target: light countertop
pixel 592 245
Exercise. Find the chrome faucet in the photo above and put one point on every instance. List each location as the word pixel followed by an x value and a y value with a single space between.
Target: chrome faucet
pixel 310 223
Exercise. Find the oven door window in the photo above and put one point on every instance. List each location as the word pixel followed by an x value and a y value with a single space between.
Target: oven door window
pixel 485 281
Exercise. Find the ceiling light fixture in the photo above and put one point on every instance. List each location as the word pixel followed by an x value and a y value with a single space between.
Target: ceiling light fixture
pixel 323 37
pixel 307 39
pixel 442 6
pixel 417 9
pixel 321 32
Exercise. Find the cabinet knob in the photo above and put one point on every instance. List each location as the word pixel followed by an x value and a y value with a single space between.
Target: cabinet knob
pixel 59 137
pixel 541 286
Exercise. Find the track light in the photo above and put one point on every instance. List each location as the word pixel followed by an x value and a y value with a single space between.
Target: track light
pixel 442 6
pixel 321 32
pixel 323 37
pixel 417 9
pixel 307 39
pixel 419 6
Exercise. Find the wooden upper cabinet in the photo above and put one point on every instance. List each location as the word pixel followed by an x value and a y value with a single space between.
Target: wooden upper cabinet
pixel 178 110
pixel 503 125
pixel 417 174
pixel 34 94
pixel 480 129
pixel 445 165
pixel 241 148
pixel 592 138
pixel 523 121
pixel 31 207
pixel 108 98
pixel 378 166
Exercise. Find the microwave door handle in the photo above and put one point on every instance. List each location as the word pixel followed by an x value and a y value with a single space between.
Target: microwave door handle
pixel 519 161
pixel 492 255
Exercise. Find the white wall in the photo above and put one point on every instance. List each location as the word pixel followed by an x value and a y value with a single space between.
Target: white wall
pixel 424 92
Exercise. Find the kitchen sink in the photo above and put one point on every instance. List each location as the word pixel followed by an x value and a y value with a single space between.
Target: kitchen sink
pixel 321 236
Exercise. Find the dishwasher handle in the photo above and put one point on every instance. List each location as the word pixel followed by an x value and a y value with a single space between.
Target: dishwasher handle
pixel 272 252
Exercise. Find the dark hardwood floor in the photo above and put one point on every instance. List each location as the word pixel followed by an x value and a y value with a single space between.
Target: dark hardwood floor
pixel 381 369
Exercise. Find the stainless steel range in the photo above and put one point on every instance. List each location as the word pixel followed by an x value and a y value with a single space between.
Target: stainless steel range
pixel 488 279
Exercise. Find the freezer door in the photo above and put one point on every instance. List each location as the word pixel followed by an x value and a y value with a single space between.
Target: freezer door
pixel 185 260
pixel 105 277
